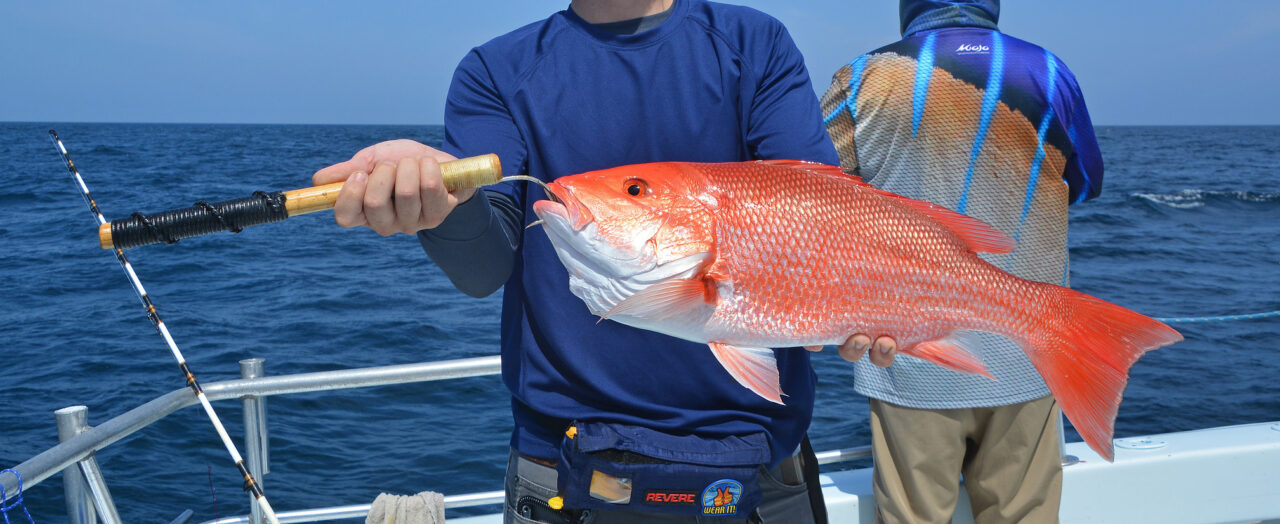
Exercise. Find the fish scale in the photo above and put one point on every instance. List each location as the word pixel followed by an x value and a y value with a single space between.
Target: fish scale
pixel 785 304
pixel 748 256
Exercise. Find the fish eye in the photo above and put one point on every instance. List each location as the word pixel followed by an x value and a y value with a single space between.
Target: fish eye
pixel 635 187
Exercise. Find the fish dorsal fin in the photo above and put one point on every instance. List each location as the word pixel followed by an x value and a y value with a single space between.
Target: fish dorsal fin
pixel 815 167
pixel 976 234
pixel 665 300
pixel 957 352
pixel 755 368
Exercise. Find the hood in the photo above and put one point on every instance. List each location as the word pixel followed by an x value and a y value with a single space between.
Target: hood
pixel 922 15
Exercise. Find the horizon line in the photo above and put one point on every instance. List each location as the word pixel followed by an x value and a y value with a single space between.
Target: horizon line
pixel 143 122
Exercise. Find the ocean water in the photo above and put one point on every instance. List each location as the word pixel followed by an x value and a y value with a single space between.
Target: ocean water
pixel 1188 226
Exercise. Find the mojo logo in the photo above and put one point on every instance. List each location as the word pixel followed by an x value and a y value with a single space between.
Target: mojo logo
pixel 971 49
pixel 721 498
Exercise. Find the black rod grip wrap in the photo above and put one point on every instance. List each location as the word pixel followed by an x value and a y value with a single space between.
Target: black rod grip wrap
pixel 200 219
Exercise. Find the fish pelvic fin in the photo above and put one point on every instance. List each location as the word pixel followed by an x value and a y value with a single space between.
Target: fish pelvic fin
pixel 1085 360
pixel 957 352
pixel 755 368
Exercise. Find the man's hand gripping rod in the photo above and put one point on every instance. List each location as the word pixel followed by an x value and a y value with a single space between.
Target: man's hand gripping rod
pixel 261 208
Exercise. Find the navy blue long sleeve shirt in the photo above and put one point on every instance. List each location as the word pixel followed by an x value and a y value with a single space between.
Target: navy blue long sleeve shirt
pixel 712 83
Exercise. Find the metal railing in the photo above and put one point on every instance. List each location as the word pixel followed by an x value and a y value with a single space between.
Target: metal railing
pixel 88 499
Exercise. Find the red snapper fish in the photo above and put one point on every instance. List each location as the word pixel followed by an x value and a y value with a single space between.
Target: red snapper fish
pixel 748 256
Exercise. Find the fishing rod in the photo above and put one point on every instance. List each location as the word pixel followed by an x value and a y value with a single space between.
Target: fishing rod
pixel 262 208
pixel 250 485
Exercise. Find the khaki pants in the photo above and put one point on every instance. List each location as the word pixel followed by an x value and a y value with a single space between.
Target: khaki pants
pixel 1009 457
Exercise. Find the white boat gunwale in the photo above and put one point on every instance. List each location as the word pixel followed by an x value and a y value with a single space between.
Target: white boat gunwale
pixel 1222 474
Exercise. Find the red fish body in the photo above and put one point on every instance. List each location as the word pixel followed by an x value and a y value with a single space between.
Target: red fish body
pixel 755 255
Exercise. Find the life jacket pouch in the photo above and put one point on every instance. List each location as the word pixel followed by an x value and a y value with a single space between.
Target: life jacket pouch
pixel 610 466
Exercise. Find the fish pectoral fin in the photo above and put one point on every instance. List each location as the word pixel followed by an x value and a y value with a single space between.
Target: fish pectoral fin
pixel 755 368
pixel 664 300
pixel 957 352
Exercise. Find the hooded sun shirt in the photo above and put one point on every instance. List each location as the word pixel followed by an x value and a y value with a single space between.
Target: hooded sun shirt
pixel 964 116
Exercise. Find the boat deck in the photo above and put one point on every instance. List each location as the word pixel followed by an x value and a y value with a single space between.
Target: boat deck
pixel 1227 474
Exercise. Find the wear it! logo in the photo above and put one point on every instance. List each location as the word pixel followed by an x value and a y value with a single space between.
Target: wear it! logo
pixel 721 498
pixel 971 49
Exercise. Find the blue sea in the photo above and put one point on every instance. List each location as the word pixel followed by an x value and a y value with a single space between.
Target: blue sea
pixel 1188 226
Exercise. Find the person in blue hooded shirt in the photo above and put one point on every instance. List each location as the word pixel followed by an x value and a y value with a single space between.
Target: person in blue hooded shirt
pixel 962 115
pixel 602 84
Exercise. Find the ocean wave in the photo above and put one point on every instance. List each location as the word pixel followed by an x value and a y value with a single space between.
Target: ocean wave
pixel 1194 198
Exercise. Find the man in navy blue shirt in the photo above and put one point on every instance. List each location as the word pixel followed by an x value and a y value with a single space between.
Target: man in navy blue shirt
pixel 959 114
pixel 598 85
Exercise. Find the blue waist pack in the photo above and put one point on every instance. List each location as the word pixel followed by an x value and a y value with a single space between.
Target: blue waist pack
pixel 615 467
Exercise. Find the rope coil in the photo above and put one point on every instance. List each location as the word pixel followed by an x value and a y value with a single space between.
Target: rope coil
pixel 17 500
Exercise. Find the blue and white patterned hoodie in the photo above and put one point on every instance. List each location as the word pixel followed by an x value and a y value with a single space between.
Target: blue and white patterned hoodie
pixel 962 115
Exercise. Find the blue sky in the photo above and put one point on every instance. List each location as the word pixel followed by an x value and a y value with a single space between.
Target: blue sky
pixel 389 62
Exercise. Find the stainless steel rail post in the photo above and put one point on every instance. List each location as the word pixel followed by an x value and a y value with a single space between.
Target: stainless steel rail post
pixel 98 490
pixel 53 460
pixel 255 430
pixel 73 420
pixel 88 484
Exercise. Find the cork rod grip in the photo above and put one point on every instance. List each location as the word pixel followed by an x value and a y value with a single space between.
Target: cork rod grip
pixel 474 171
pixel 232 215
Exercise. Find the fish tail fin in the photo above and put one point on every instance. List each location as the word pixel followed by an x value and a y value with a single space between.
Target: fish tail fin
pixel 1085 354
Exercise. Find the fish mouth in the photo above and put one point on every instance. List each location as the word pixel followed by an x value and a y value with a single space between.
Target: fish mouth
pixel 564 206
pixel 573 232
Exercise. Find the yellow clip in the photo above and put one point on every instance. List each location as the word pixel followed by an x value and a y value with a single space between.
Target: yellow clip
pixel 556 503
pixel 572 432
